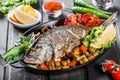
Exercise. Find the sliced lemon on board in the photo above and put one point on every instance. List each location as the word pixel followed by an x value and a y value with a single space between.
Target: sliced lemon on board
pixel 23 17
pixel 108 35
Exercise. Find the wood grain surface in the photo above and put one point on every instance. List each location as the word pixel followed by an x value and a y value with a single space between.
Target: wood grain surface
pixel 9 35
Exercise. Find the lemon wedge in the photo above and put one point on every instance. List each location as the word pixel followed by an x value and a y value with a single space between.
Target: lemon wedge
pixel 108 35
pixel 24 16
pixel 29 10
pixel 12 17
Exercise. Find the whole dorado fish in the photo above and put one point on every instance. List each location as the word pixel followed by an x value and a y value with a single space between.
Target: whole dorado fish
pixel 56 43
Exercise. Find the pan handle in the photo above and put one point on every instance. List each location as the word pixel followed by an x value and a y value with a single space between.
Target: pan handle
pixel 17 64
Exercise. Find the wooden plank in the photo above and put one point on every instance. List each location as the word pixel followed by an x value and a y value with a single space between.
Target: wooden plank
pixel 79 74
pixel 3 37
pixel 12 73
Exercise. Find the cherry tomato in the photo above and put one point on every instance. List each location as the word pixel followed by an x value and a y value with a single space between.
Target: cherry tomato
pixel 116 73
pixel 110 61
pixel 107 67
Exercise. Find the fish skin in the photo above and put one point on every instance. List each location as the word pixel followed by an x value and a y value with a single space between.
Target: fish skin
pixel 55 43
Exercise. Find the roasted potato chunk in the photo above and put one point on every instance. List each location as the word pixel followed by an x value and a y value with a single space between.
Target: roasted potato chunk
pixel 95 54
pixel 92 50
pixel 76 57
pixel 64 63
pixel 83 59
pixel 57 63
pixel 76 50
pixel 91 57
pixel 65 67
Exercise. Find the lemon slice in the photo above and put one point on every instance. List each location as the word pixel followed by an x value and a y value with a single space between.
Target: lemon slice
pixel 12 17
pixel 29 10
pixel 23 17
pixel 108 35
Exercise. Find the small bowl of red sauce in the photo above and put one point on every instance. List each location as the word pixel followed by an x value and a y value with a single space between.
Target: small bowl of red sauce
pixel 53 8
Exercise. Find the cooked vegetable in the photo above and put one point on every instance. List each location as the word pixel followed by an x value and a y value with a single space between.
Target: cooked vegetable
pixel 87 10
pixel 83 19
pixel 7 5
pixel 76 57
pixel 16 53
pixel 83 59
pixel 95 54
pixel 33 66
pixel 57 63
pixel 76 50
pixel 92 50
pixel 83 48
pixel 91 57
pixel 43 66
pixel 65 67
pixel 72 63
pixel 70 55
pixel 64 63
pixel 85 4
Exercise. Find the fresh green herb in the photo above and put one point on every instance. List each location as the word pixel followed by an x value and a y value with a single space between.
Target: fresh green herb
pixel 7 5
pixel 24 39
pixel 16 53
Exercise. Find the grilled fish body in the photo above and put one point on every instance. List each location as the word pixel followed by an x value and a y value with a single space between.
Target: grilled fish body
pixel 55 43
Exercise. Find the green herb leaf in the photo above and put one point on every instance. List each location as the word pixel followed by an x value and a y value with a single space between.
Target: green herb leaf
pixel 15 54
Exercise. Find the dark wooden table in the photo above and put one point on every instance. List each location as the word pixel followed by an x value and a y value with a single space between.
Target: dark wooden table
pixel 9 35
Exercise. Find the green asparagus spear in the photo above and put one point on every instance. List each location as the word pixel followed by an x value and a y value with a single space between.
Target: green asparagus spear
pixel 87 5
pixel 87 10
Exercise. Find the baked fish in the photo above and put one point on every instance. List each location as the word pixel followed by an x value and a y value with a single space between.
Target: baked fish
pixel 56 43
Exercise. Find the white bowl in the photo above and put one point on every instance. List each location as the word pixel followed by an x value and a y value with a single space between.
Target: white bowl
pixel 25 26
pixel 54 14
